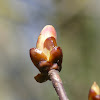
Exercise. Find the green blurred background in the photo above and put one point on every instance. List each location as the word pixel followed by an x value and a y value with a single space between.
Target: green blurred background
pixel 77 23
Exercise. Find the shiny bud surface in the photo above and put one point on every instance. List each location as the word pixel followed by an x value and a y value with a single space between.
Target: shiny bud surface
pixel 46 53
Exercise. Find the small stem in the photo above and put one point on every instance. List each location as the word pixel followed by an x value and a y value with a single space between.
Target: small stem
pixel 57 84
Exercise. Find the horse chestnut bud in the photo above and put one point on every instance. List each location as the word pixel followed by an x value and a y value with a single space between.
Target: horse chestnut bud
pixel 46 53
pixel 94 93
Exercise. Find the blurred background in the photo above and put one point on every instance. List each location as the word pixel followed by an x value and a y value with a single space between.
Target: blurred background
pixel 77 23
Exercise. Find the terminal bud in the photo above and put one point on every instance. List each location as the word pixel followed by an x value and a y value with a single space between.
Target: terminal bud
pixel 46 53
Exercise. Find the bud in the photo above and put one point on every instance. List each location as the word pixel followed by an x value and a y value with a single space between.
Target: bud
pixel 94 93
pixel 46 53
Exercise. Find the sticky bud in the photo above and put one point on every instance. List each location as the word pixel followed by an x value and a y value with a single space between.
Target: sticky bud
pixel 46 53
pixel 94 93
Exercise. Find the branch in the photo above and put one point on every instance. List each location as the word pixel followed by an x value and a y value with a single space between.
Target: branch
pixel 57 84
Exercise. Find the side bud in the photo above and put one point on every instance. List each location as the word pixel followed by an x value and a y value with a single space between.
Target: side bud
pixel 94 93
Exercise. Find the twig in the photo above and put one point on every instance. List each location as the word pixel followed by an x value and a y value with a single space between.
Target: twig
pixel 47 48
pixel 57 84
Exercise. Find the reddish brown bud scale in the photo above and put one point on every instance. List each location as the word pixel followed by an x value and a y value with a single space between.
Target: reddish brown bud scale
pixel 49 43
pixel 97 97
pixel 56 56
pixel 92 94
pixel 41 78
pixel 37 56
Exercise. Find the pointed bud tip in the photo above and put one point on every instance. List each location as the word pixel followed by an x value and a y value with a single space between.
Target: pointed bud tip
pixel 95 87
pixel 49 30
